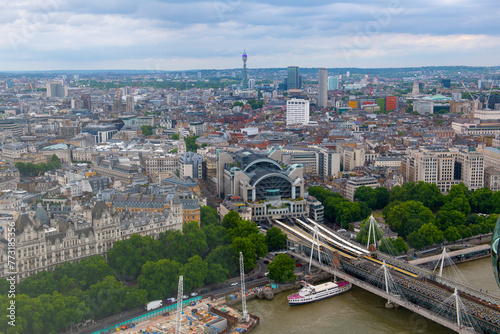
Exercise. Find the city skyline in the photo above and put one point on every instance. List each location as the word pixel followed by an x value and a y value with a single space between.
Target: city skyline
pixel 174 35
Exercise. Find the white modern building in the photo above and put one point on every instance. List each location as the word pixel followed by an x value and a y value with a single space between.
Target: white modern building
pixel 297 112
pixel 444 167
pixel 56 89
pixel 323 88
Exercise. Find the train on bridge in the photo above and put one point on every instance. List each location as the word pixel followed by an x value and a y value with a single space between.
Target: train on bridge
pixel 419 286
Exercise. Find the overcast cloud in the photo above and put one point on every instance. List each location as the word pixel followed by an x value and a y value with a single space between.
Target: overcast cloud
pixel 183 35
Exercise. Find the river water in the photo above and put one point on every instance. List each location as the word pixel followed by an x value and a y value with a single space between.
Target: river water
pixel 356 311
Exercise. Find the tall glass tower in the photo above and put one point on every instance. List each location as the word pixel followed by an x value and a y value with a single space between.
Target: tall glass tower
pixel 293 80
pixel 244 82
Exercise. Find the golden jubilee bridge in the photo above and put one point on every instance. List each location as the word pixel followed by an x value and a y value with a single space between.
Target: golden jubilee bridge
pixel 455 305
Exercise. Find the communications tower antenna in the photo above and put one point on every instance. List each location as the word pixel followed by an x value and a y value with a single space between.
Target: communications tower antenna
pixel 180 295
pixel 243 290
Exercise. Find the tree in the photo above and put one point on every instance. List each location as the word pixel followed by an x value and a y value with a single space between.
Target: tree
pixel 216 273
pixel 226 256
pixel 458 203
pixel 248 249
pixel 195 238
pixel 387 246
pixel 445 219
pixel 147 130
pixel 39 284
pixel 282 268
pixel 191 143
pixel 275 239
pixel 175 136
pixel 255 104
pixel 458 190
pixel 400 245
pixel 174 246
pixel 451 234
pixel 208 216
pixel 106 297
pixel 127 256
pixel 427 235
pixel 382 195
pixel 348 212
pixel 480 200
pixel 408 217
pixel 92 270
pixel 231 220
pixel 495 202
pixel 237 104
pixel 159 278
pixel 195 272
pixel 216 235
pixel 367 195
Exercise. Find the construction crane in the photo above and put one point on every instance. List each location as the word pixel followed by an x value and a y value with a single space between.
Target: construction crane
pixel 180 296
pixel 489 95
pixel 244 318
pixel 476 101
pixel 133 89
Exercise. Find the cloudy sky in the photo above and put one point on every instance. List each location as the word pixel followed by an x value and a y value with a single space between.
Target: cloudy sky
pixel 187 34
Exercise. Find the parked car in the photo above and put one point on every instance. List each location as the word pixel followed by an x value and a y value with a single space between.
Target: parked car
pixel 298 264
pixel 234 283
pixel 185 297
pixel 260 276
pixel 266 262
pixel 194 294
pixel 203 291
pixel 214 288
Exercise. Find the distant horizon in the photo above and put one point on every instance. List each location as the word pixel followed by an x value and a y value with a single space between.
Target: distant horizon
pixel 254 68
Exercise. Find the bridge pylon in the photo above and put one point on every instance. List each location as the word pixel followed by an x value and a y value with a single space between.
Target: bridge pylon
pixel 315 240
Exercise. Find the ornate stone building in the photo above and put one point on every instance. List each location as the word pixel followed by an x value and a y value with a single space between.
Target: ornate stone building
pixel 41 243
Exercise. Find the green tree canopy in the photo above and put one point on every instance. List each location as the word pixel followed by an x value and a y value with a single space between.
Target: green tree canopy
pixel 159 278
pixel 427 235
pixel 480 200
pixel 147 130
pixel 445 219
pixel 408 217
pixel 127 256
pixel 281 269
pixel 275 239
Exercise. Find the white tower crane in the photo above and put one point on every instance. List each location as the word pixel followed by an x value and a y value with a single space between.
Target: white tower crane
pixel 243 290
pixel 180 295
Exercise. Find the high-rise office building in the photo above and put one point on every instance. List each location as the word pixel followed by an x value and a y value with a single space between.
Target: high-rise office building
pixel 444 167
pixel 333 83
pixel 56 89
pixel 297 112
pixel 244 82
pixel 416 89
pixel 446 83
pixel 86 101
pixel 293 80
pixel 251 83
pixel 130 104
pixel 323 88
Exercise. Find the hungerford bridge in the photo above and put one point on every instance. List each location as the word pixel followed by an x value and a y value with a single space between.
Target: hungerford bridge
pixel 457 306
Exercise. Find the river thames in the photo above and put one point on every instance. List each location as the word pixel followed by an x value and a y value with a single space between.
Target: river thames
pixel 356 311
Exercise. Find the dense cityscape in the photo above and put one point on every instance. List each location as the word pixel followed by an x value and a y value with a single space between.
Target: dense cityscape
pixel 117 182
pixel 263 167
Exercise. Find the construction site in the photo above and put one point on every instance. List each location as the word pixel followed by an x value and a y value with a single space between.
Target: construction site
pixel 194 315
pixel 205 316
